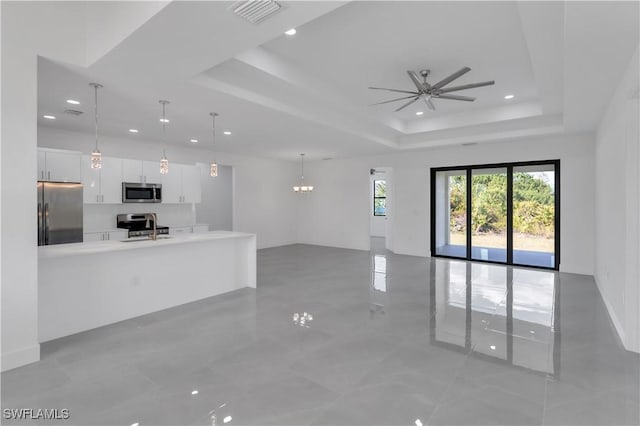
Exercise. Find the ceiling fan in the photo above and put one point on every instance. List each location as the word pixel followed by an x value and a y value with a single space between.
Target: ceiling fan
pixel 427 91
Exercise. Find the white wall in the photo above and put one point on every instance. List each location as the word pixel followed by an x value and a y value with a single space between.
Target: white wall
pixel 337 212
pixel 28 29
pixel 333 214
pixel 216 208
pixel 617 195
pixel 263 201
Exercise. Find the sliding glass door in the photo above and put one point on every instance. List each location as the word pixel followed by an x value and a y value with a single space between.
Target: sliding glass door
pixel 502 213
pixel 489 214
pixel 451 213
pixel 534 215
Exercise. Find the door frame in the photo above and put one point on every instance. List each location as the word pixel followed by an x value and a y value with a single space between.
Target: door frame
pixel 509 167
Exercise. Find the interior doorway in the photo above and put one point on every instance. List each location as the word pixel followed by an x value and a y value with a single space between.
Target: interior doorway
pixel 380 206
pixel 378 198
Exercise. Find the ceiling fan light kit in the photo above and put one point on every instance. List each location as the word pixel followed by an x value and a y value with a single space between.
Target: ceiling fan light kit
pixel 427 92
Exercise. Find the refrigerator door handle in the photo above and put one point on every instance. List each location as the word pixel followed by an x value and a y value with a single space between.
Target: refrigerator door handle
pixel 39 224
pixel 46 224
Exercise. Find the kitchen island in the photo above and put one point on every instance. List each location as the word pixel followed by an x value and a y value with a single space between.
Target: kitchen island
pixel 82 286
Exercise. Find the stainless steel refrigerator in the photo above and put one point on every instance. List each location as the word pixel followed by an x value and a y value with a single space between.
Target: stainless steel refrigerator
pixel 59 213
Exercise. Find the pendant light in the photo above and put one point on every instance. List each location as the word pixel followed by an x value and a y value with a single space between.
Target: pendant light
pixel 96 156
pixel 164 162
pixel 214 166
pixel 302 187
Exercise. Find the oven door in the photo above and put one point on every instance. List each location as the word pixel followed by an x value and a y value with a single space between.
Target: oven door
pixel 140 193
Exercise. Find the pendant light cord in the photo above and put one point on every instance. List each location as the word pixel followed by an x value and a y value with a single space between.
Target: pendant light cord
pixel 95 87
pixel 164 130
pixel 302 167
pixel 213 134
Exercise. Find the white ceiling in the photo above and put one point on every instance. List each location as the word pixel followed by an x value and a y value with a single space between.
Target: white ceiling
pixel 281 95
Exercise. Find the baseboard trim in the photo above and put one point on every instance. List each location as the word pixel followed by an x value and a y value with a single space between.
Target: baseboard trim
pixel 348 247
pixel 281 244
pixel 612 315
pixel 24 356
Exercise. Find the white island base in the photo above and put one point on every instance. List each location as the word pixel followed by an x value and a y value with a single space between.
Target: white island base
pixel 88 285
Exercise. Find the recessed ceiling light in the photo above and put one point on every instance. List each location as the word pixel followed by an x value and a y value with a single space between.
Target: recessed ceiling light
pixel 419 112
pixel 135 424
pixel 49 117
pixel 292 31
pixel 227 132
pixel 164 120
pixel 133 130
pixel 493 348
pixel 227 419
pixel 509 97
pixel 194 392
pixel 194 141
pixel 73 102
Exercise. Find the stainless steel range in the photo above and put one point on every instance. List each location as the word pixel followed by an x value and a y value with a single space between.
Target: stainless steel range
pixel 140 224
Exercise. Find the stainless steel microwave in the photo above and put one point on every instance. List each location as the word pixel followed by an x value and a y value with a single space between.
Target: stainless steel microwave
pixel 134 192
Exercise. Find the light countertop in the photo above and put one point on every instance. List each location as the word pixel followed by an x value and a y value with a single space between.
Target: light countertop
pixel 171 225
pixel 75 249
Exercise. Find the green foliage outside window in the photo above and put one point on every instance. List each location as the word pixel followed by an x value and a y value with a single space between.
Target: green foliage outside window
pixel 533 204
pixel 379 198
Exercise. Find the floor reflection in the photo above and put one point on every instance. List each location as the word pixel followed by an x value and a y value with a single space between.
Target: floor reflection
pixel 507 314
pixel 378 287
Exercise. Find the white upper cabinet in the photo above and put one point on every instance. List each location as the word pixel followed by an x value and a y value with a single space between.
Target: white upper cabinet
pixel 141 171
pixel 110 180
pixel 42 165
pixel 181 184
pixel 191 189
pixel 151 171
pixel 104 185
pixel 90 182
pixel 59 166
pixel 132 171
pixel 172 185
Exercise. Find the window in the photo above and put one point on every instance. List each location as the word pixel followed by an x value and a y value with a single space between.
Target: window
pixel 506 213
pixel 379 198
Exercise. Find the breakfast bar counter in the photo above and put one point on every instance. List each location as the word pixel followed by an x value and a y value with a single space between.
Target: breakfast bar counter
pixel 82 286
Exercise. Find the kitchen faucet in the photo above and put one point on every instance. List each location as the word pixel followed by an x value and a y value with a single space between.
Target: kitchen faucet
pixel 154 217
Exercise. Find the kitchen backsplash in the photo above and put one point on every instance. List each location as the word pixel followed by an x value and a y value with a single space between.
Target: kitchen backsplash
pixel 101 217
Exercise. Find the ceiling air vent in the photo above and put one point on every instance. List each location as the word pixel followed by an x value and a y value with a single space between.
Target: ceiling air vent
pixel 73 112
pixel 255 11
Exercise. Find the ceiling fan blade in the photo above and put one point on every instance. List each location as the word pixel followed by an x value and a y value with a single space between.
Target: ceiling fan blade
pixel 408 103
pixel 452 77
pixel 416 81
pixel 393 100
pixel 467 86
pixel 430 105
pixel 456 97
pixel 394 90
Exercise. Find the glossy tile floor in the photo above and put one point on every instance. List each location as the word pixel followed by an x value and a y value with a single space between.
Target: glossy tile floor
pixel 344 337
pixel 520 257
